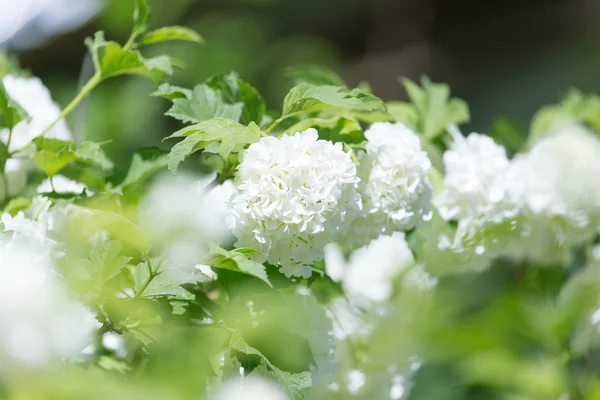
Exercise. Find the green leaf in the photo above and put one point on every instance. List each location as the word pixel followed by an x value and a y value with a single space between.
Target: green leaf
pixel 204 104
pixel 110 364
pixel 17 204
pixel 222 96
pixel 89 221
pixel 575 107
pixel 315 75
pixel 225 136
pixel 434 107
pixel 111 59
pixel 105 261
pixel 404 112
pixel 170 33
pixel 143 165
pixel 141 14
pixel 4 155
pixel 11 113
pixel 307 98
pixel 237 260
pixel 237 91
pixel 171 92
pixel 293 383
pixel 9 65
pixel 344 129
pixel 52 155
pixel 508 133
pixel 166 283
pixel 91 153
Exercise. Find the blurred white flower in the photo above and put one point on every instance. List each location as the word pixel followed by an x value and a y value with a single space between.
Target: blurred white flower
pixel 294 195
pixel 347 320
pixel 35 98
pixel 356 380
pixel 37 221
pixel 476 182
pixel 477 193
pixel 249 388
pixel 62 184
pixel 23 227
pixel 418 278
pixel 115 342
pixel 39 321
pixel 31 22
pixel 369 273
pixel 181 215
pixel 394 185
pixel 557 181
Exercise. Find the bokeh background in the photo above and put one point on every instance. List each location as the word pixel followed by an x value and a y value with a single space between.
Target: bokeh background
pixel 505 57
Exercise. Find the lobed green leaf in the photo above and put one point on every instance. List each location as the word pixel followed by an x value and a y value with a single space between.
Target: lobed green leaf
pixel 170 33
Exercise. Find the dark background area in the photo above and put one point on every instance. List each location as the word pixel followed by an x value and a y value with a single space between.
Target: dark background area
pixel 506 58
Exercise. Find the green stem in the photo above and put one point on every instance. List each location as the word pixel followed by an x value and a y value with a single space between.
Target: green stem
pixel 130 41
pixel 353 157
pixel 5 184
pixel 39 212
pixel 283 118
pixel 10 132
pixel 89 86
pixel 52 183
pixel 152 273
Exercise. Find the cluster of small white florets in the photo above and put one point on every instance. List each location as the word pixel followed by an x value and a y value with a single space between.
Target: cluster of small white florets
pixel 369 273
pixel 548 197
pixel 294 195
pixel 557 184
pixel 476 181
pixel 394 185
pixel 297 194
pixel 477 188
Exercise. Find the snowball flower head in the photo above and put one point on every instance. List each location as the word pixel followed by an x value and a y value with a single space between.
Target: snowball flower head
pixel 250 388
pixel 368 276
pixel 557 181
pixel 476 182
pixel 39 321
pixel 395 187
pixel 294 195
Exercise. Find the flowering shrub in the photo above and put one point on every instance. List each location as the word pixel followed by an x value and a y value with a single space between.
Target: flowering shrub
pixel 341 247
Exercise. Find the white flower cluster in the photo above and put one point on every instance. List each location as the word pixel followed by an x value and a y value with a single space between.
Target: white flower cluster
pixel 541 203
pixel 477 186
pixel 557 184
pixel 478 189
pixel 294 195
pixel 39 321
pixel 394 186
pixel 369 273
pixel 35 99
pixel 297 194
